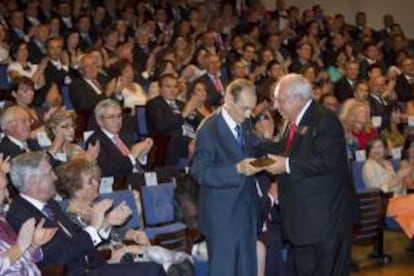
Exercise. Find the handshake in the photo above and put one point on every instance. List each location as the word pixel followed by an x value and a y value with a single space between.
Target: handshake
pixel 274 164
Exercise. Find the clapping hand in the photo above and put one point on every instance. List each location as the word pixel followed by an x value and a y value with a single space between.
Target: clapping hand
pixel 93 151
pixel 4 164
pixel 119 214
pixel 98 212
pixel 25 236
pixel 279 166
pixel 42 235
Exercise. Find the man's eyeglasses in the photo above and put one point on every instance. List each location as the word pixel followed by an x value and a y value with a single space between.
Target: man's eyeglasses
pixel 112 117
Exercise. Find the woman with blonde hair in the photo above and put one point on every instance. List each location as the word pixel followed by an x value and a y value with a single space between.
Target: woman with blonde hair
pixel 60 129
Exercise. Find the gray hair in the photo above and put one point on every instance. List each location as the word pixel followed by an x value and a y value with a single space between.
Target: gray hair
pixel 8 115
pixel 236 87
pixel 295 85
pixel 102 105
pixel 24 166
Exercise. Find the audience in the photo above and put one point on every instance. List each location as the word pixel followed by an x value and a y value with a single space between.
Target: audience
pixel 176 59
pixel 71 246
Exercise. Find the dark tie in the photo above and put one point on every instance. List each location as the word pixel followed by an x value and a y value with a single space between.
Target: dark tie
pixel 48 212
pixel 174 107
pixel 239 136
pixel 291 134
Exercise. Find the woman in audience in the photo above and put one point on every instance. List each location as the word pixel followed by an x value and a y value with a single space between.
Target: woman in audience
pixel 21 67
pixel 78 183
pixel 23 93
pixel 392 134
pixel 408 161
pixel 20 251
pixel 60 129
pixel 123 87
pixel 379 173
pixel 184 50
pixel 197 95
pixel 72 52
pixel 362 128
pixel 361 92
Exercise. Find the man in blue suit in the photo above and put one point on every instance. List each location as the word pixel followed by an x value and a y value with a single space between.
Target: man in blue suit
pixel 228 197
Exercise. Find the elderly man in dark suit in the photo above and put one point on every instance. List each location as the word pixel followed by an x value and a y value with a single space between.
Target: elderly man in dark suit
pixel 118 154
pixel 316 195
pixel 227 198
pixel 86 91
pixel 15 123
pixel 71 246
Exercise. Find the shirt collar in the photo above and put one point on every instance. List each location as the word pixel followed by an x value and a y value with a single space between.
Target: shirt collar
pixel 36 203
pixel 21 144
pixel 302 112
pixel 229 121
pixel 111 136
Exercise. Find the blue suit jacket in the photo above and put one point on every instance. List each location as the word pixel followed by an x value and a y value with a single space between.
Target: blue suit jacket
pixel 226 197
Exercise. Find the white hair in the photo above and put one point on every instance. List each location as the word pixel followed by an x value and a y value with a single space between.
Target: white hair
pixel 295 85
pixel 24 166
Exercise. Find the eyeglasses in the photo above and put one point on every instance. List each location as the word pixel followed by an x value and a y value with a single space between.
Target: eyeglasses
pixel 282 100
pixel 112 117
pixel 22 121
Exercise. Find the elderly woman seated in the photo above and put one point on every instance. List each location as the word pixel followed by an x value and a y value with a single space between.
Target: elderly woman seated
pixel 60 129
pixel 78 183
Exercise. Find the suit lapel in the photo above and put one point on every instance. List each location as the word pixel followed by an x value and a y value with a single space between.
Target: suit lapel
pixel 226 135
pixel 303 126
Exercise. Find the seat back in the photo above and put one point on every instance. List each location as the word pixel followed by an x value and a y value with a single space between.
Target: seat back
pixel 357 176
pixel 67 102
pixel 372 214
pixel 142 125
pixel 128 197
pixel 158 203
pixel 4 79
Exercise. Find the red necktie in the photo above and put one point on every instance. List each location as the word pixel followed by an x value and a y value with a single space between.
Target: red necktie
pixel 121 146
pixel 218 85
pixel 291 134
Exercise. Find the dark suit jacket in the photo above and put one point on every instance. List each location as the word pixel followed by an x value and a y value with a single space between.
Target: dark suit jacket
pixel 62 249
pixel 317 199
pixel 53 74
pixel 163 121
pixel 403 88
pixel 83 96
pixel 215 97
pixel 8 148
pixel 379 109
pixel 343 90
pixel 36 54
pixel 110 159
